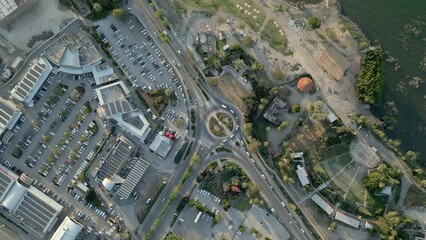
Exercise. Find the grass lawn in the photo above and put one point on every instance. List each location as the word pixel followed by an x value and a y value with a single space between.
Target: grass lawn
pixel 242 203
pixel 230 6
pixel 272 35
pixel 415 197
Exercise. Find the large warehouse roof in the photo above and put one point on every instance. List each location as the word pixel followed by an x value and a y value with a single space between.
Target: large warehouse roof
pixel 133 178
pixel 68 230
pixel 30 206
pixel 327 207
pixel 35 76
pixel 115 159
pixel 9 115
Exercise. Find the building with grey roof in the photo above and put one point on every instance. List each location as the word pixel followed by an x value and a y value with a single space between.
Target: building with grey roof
pixel 32 80
pixel 323 204
pixel 9 115
pixel 302 175
pixel 347 219
pixel 161 145
pixel 25 205
pixel 133 178
pixel 115 159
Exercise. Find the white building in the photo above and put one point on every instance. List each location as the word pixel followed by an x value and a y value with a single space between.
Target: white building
pixel 68 230
pixel 34 77
pixel 7 7
pixel 161 145
pixel 302 175
pixel 25 205
pixel 114 105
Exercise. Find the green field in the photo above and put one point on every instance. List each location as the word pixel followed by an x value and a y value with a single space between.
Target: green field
pixel 230 6
pixel 272 35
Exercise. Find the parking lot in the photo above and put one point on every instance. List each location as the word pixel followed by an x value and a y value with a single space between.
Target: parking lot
pixel 145 66
pixel 53 140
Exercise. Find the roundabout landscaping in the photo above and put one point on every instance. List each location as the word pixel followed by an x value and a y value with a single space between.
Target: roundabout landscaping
pixel 220 124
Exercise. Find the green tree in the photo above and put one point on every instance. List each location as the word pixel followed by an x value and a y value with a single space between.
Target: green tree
pixel 410 157
pixel 333 226
pixel 315 110
pixel 295 108
pixel 97 7
pixel 247 41
pixel 238 64
pixel 252 190
pixel 388 225
pixel 213 81
pixel 248 128
pixel 195 159
pixel 381 177
pixel 257 66
pixel 266 144
pixel 159 14
pixel 119 13
pixel 283 125
pixel 314 22
pixel 277 74
pixel 370 80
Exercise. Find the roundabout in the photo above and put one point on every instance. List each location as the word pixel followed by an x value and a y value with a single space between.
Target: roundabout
pixel 220 124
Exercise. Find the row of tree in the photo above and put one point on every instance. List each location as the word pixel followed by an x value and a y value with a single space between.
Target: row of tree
pixel 371 80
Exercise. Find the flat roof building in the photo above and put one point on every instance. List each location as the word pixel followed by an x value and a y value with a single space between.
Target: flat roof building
pixel 34 77
pixel 161 145
pixel 133 178
pixel 347 219
pixel 68 230
pixel 25 205
pixel 119 154
pixel 9 115
pixel 302 175
pixel 103 74
pixel 73 54
pixel 114 105
pixel 323 204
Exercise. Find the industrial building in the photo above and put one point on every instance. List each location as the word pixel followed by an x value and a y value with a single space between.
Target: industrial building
pixel 68 230
pixel 9 115
pixel 37 72
pixel 119 154
pixel 133 178
pixel 25 205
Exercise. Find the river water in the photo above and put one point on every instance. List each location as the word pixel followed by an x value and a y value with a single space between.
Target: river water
pixel 399 26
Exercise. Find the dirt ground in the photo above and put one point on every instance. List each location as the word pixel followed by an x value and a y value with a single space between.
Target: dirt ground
pixel 45 15
pixel 233 91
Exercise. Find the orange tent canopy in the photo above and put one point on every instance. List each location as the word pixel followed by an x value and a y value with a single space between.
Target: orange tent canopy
pixel 305 84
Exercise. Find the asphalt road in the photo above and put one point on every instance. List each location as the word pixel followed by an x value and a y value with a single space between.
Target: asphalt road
pixel 145 12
